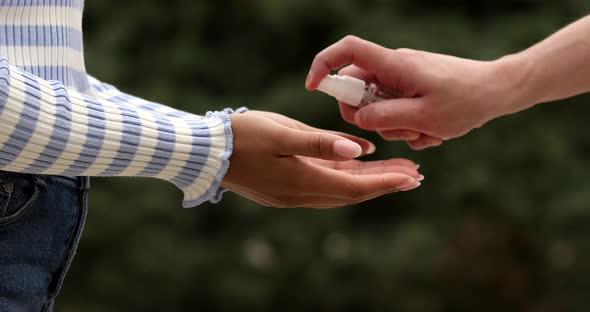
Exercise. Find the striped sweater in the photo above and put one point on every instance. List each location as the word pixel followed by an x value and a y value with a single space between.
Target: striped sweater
pixel 56 119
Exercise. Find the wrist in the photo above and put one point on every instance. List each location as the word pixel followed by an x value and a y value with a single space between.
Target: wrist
pixel 231 149
pixel 513 74
pixel 235 122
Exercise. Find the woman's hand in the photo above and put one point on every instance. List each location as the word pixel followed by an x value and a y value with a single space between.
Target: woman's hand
pixel 280 162
pixel 366 146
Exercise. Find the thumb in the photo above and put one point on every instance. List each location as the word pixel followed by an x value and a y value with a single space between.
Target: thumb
pixel 318 145
pixel 400 113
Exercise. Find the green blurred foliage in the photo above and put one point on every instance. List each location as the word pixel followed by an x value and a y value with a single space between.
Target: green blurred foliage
pixel 502 222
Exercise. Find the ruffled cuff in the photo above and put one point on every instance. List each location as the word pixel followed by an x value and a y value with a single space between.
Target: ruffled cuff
pixel 218 190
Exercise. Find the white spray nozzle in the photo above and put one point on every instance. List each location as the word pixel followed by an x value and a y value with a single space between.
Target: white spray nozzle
pixel 345 89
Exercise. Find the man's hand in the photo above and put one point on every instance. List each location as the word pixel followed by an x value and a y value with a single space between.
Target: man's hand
pixel 281 162
pixel 442 97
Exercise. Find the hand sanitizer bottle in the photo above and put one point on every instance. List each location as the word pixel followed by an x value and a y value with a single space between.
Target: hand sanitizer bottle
pixel 353 91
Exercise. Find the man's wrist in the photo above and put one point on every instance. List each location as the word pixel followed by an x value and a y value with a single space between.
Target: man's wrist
pixel 514 76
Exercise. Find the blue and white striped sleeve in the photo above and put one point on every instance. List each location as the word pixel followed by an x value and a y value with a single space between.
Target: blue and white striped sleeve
pixel 47 129
pixel 106 91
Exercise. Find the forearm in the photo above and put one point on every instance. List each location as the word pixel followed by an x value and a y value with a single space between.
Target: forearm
pixel 556 68
pixel 108 92
pixel 48 129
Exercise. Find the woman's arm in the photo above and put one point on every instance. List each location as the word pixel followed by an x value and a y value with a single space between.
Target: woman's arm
pixel 108 92
pixel 49 129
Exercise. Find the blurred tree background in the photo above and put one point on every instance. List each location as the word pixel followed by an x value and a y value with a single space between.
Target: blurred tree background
pixel 502 222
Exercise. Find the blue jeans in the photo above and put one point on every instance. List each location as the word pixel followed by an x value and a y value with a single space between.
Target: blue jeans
pixel 41 220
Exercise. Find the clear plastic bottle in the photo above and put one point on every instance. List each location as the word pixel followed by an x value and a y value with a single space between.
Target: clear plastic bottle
pixel 354 91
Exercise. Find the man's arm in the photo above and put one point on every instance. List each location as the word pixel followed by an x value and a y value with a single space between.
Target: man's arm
pixel 556 68
pixel 445 96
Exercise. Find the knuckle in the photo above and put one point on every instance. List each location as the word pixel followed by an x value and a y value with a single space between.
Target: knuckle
pixel 406 59
pixel 406 51
pixel 410 54
pixel 314 145
pixel 351 40
pixel 319 59
pixel 322 58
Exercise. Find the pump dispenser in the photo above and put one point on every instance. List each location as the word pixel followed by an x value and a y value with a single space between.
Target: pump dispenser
pixel 353 91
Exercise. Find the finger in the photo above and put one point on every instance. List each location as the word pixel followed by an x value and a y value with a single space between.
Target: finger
pixel 327 202
pixel 358 165
pixel 356 72
pixel 424 142
pixel 376 169
pixel 350 50
pixel 384 169
pixel 369 185
pixel 316 144
pixel 347 112
pixel 367 146
pixel 340 184
pixel 395 114
pixel 400 135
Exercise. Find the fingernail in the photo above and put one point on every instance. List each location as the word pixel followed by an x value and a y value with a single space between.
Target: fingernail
pixel 417 166
pixel 411 187
pixel 412 136
pixel 410 184
pixel 372 149
pixel 347 149
pixel 420 178
pixel 308 79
